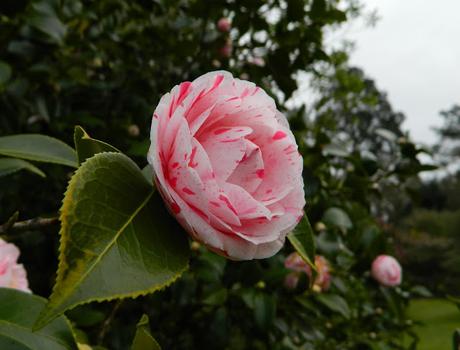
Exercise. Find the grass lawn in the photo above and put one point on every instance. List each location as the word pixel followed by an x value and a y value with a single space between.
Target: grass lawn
pixel 440 318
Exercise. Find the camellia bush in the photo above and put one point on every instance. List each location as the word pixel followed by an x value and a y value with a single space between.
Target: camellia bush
pixel 187 225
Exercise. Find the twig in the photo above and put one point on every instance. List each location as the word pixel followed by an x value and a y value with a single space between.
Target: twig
pixel 106 325
pixel 27 225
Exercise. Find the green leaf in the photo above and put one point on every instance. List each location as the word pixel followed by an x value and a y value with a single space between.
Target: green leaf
pixel 335 303
pixel 18 312
pixel 147 171
pixel 38 148
pixel 336 149
pixel 456 339
pixel 49 25
pixel 216 298
pixel 87 147
pixel 5 72
pixel 338 218
pixel 143 340
pixel 117 239
pixel 264 310
pixel 11 165
pixel 302 240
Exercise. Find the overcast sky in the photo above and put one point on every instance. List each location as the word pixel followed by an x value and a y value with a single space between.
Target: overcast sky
pixel 413 53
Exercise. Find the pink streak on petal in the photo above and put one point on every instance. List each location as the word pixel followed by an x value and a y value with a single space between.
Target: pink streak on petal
pixel 188 191
pixel 279 135
pixel 260 173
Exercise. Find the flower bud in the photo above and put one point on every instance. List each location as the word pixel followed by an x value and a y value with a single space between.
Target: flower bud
pixel 319 226
pixel 224 25
pixel 133 130
pixel 387 271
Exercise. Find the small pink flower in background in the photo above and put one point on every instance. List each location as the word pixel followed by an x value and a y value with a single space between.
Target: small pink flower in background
pixel 227 165
pixel 323 277
pixel 387 271
pixel 295 263
pixel 224 25
pixel 12 274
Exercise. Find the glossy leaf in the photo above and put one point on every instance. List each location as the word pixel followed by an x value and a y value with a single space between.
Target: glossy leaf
pixel 11 165
pixel 87 147
pixel 18 312
pixel 302 240
pixel 338 218
pixel 5 72
pixel 264 309
pixel 48 23
pixel 147 171
pixel 38 148
pixel 117 239
pixel 456 339
pixel 335 303
pixel 143 340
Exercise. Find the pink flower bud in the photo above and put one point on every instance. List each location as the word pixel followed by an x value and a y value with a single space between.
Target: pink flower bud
pixel 387 271
pixel 12 274
pixel 224 25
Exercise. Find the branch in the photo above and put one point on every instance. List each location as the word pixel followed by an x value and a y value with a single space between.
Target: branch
pixel 106 325
pixel 27 225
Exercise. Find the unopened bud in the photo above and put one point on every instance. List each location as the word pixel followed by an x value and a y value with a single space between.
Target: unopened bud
pixel 316 288
pixel 133 130
pixel 224 25
pixel 260 285
pixel 319 226
pixel 195 246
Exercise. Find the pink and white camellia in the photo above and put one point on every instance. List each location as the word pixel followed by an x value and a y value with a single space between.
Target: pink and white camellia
pixel 12 274
pixel 227 165
pixel 387 271
pixel 297 265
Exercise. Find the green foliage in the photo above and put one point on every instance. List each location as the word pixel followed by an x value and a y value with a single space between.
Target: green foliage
pixel 302 240
pixel 335 303
pixel 336 217
pixel 143 340
pixel 116 240
pixel 12 165
pixel 39 148
pixel 18 311
pixel 87 147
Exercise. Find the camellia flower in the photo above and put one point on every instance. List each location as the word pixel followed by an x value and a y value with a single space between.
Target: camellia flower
pixel 224 25
pixel 387 271
pixel 227 165
pixel 295 263
pixel 12 274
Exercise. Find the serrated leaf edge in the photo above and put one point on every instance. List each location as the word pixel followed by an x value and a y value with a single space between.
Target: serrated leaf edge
pixel 39 323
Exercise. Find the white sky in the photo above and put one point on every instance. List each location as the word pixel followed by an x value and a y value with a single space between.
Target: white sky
pixel 413 53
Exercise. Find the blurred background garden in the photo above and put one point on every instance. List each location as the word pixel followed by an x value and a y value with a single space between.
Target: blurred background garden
pixel 371 187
